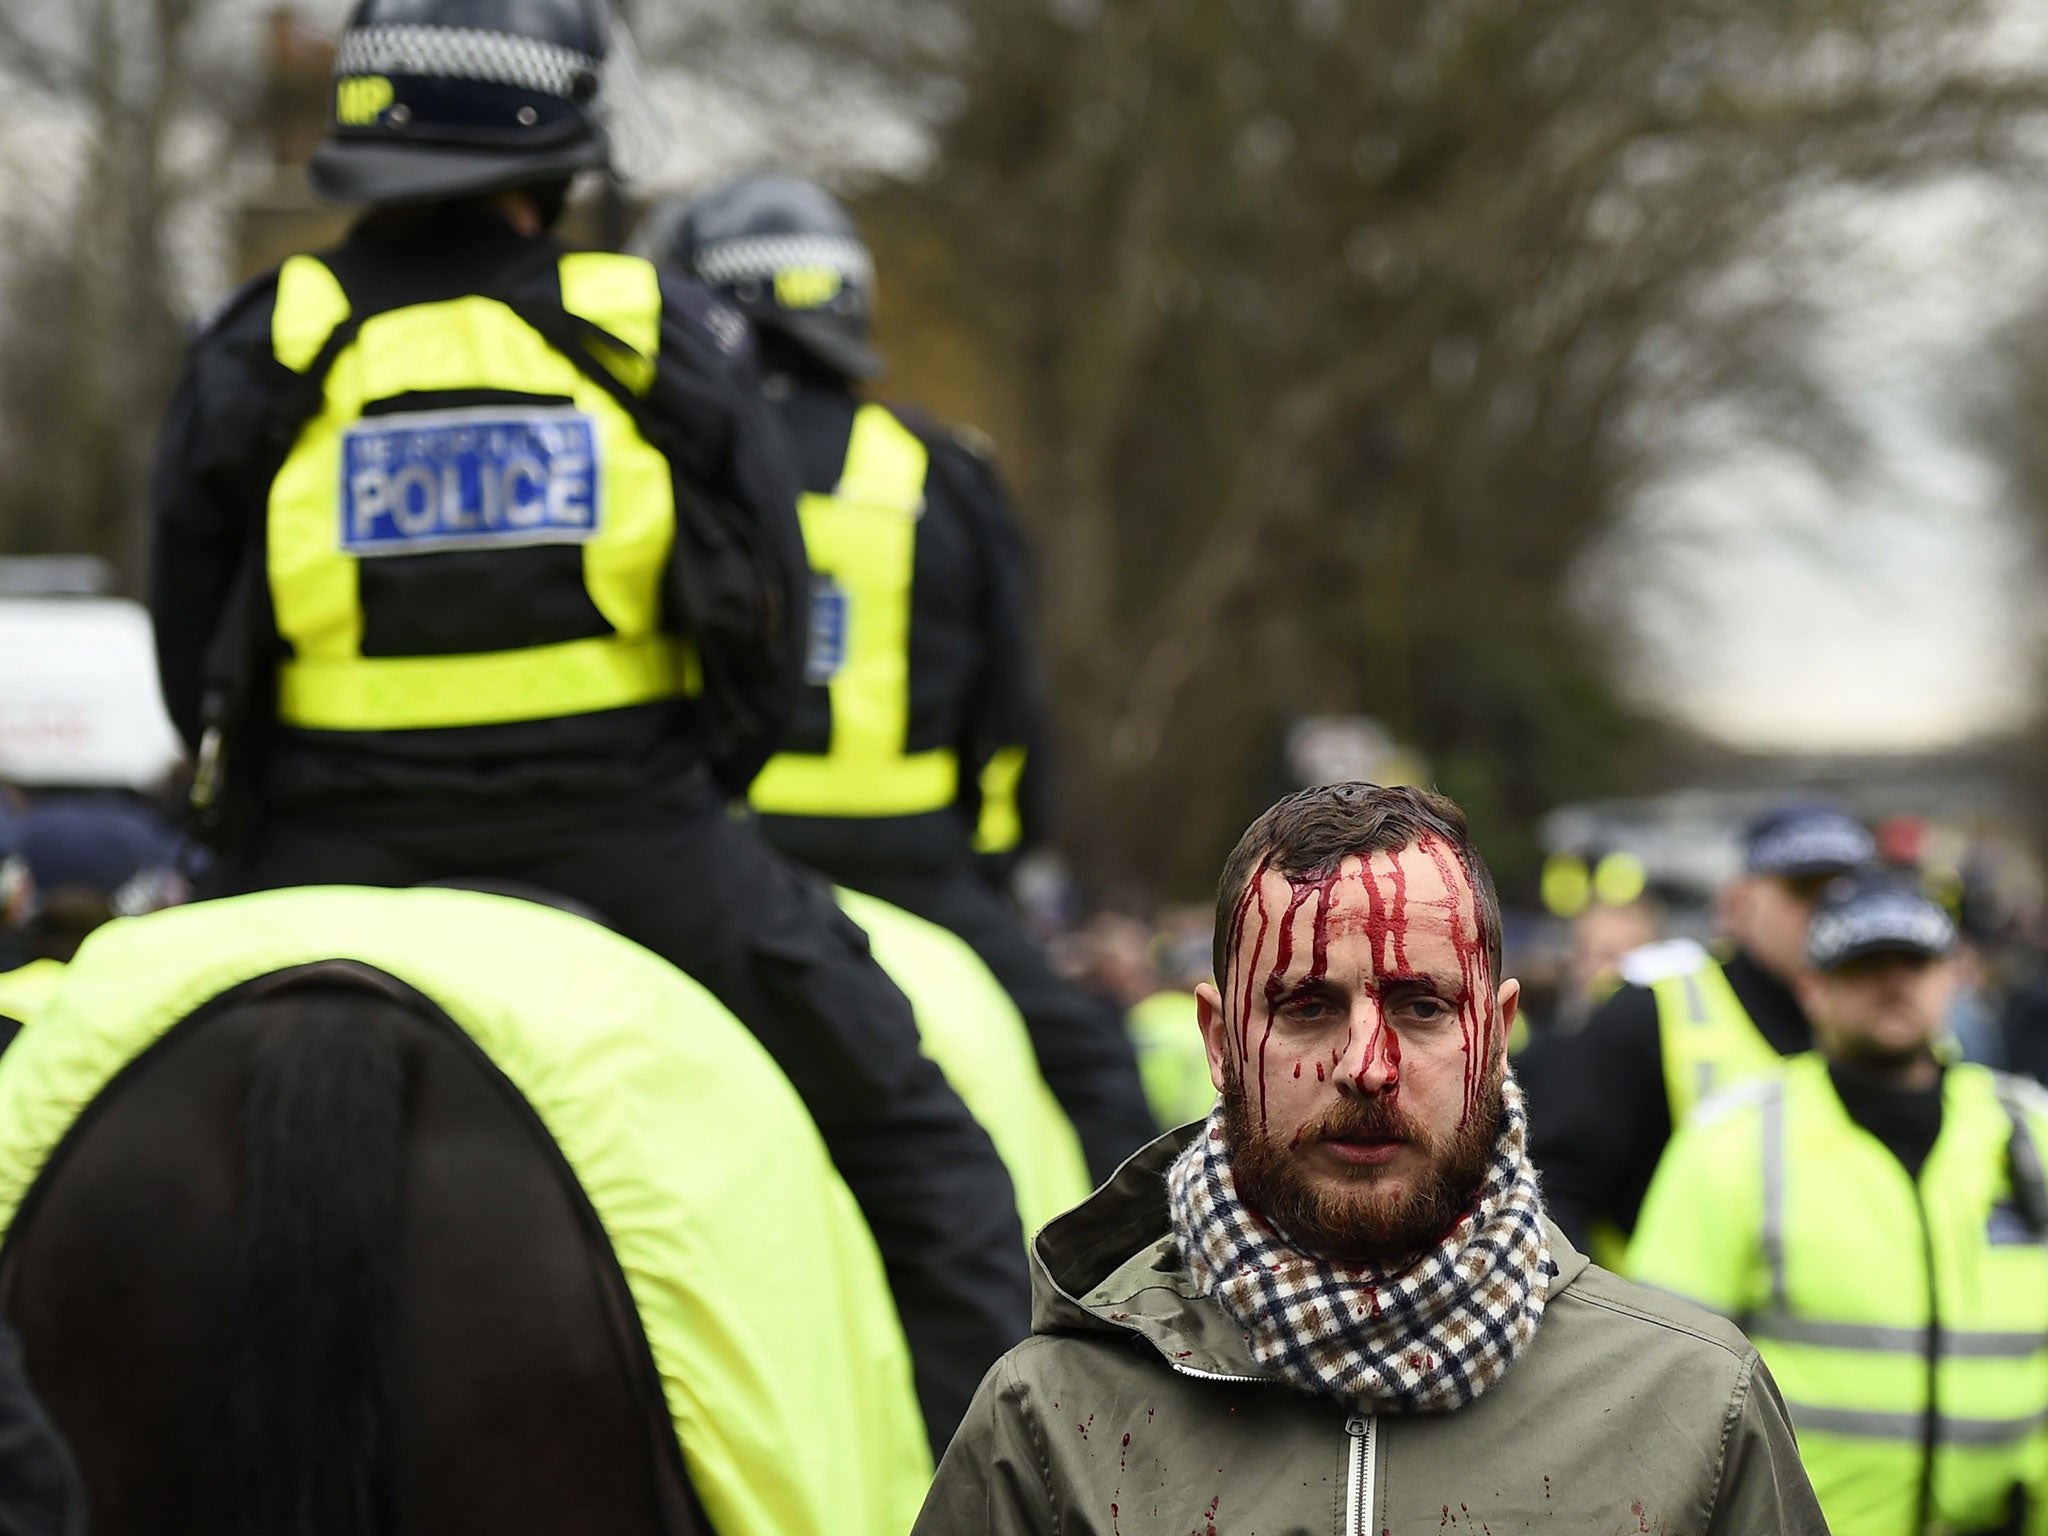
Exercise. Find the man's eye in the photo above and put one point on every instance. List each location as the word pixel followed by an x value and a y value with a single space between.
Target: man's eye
pixel 1309 1007
pixel 1427 1009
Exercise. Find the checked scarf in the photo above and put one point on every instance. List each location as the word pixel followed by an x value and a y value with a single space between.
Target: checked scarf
pixel 1427 1339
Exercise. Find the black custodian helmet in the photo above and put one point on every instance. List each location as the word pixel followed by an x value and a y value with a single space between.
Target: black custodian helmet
pixel 449 98
pixel 783 252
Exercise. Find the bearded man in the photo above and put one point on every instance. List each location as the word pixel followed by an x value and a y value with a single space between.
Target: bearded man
pixel 1337 1305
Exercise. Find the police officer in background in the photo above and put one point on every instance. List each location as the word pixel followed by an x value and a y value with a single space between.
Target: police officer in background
pixel 1603 1101
pixel 478 557
pixel 1875 1222
pixel 909 752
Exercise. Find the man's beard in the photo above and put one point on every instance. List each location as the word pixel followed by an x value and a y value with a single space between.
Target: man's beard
pixel 1354 1218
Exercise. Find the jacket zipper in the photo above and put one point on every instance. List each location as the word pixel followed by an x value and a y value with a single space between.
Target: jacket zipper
pixel 1930 1425
pixel 1201 1375
pixel 1359 1487
pixel 1358 1429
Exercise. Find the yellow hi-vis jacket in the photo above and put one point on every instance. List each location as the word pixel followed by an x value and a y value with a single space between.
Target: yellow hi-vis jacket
pixel 1171 1057
pixel 861 540
pixel 369 498
pixel 970 1027
pixel 1706 1037
pixel 758 1285
pixel 1906 1324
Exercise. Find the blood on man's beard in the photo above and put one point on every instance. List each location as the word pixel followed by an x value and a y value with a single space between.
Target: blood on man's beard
pixel 1350 1215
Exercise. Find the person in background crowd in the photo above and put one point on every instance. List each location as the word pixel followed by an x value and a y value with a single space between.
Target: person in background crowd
pixel 1600 937
pixel 1116 956
pixel 82 859
pixel 913 754
pixel 477 556
pixel 1605 1101
pixel 1336 1305
pixel 69 863
pixel 1875 1220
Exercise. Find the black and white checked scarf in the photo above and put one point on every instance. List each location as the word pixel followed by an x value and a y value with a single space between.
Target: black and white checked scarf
pixel 1427 1339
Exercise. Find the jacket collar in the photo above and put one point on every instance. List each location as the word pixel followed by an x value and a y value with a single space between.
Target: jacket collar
pixel 1112 1265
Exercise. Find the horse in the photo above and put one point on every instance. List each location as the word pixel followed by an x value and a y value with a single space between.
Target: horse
pixel 309 1267
pixel 309 1263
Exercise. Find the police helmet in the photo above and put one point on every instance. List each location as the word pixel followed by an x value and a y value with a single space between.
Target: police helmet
pixel 450 98
pixel 784 253
pixel 1876 912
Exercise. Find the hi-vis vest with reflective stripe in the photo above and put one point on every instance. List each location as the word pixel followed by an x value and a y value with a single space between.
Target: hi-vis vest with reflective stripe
pixel 862 545
pixel 1707 1038
pixel 1775 1208
pixel 757 1283
pixel 412 502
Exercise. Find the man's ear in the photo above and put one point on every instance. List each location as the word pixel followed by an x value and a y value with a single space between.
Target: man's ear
pixel 1215 1030
pixel 1507 1008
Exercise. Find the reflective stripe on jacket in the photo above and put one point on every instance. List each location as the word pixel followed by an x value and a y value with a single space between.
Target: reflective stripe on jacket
pixel 1707 1039
pixel 862 544
pixel 538 475
pixel 758 1285
pixel 1896 1316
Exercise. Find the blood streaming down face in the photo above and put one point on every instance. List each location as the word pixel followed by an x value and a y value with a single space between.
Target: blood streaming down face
pixel 1360 1039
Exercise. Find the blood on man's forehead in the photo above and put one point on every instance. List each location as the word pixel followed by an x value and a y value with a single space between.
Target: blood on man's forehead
pixel 1420 893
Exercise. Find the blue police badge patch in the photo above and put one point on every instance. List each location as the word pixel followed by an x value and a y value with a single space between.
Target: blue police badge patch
pixel 485 477
pixel 827 651
pixel 2007 1227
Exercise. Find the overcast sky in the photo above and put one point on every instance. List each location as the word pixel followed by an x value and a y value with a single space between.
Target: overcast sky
pixel 1898 610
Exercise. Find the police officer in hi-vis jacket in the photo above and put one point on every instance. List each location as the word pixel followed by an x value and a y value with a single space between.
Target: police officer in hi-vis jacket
pixel 478 556
pixel 912 761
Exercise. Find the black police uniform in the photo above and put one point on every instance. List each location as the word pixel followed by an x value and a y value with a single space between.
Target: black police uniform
pixel 404 663
pixel 972 693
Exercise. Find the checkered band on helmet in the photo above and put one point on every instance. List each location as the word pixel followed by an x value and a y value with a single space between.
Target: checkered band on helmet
pixel 466 53
pixel 761 257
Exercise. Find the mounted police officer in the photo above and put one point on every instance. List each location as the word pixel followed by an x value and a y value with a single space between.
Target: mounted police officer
pixel 909 759
pixel 476 556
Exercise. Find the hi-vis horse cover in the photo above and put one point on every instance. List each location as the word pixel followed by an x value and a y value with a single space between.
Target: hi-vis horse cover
pixel 758 1285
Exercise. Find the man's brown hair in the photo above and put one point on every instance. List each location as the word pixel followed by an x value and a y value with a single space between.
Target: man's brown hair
pixel 1307 835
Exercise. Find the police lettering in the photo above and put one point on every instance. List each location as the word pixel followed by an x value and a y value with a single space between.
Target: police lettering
pixel 452 479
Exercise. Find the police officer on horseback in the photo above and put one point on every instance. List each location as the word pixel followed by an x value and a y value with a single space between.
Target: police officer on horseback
pixel 909 763
pixel 476 556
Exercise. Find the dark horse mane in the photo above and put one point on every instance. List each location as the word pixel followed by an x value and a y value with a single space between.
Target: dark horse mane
pixel 304 1421
pixel 310 1266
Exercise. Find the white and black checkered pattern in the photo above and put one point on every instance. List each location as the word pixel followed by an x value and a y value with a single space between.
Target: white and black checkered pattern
pixel 464 53
pixel 758 258
pixel 1426 1340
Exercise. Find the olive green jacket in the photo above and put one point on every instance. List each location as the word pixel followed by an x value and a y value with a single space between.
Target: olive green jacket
pixel 1135 1410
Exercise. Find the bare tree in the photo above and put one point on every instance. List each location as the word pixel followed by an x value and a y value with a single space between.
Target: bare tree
pixel 92 328
pixel 1325 339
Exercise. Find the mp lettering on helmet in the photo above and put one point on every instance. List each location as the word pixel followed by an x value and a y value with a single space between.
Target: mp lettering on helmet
pixel 486 477
pixel 359 100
